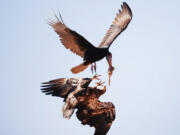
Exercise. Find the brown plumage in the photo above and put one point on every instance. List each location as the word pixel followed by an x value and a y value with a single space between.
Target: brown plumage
pixel 82 47
pixel 63 86
pixel 85 99
pixel 67 88
pixel 93 112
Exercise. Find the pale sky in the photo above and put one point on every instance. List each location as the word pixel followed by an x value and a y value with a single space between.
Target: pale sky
pixel 145 87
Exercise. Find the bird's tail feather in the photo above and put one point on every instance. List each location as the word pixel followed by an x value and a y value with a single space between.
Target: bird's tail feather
pixel 79 68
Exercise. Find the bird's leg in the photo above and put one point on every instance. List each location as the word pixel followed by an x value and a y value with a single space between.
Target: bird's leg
pixel 95 67
pixel 92 68
pixel 111 68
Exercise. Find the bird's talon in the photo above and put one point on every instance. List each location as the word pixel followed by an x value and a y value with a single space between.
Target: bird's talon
pixel 96 76
pixel 110 72
pixel 100 83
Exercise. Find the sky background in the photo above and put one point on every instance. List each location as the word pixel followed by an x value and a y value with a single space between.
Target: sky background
pixel 145 86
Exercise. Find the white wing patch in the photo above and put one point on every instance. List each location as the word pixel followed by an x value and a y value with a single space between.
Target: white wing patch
pixel 120 23
pixel 110 36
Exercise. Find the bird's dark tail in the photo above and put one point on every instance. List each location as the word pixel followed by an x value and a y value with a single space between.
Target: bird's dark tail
pixel 79 68
pixel 102 129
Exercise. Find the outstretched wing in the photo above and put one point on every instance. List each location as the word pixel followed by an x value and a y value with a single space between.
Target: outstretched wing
pixel 59 87
pixel 63 86
pixel 119 24
pixel 71 39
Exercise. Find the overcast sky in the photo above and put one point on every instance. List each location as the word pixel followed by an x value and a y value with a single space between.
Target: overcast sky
pixel 145 86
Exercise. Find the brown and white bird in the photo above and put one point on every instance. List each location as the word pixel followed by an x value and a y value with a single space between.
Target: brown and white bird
pixel 82 47
pixel 78 95
pixel 67 88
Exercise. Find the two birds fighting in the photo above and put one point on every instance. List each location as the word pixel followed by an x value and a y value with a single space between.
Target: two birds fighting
pixel 76 91
pixel 82 47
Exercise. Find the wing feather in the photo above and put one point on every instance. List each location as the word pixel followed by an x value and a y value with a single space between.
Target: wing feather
pixel 119 24
pixel 59 87
pixel 71 39
pixel 63 86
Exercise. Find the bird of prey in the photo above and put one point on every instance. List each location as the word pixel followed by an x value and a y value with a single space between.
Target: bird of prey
pixel 82 47
pixel 93 112
pixel 78 95
pixel 66 88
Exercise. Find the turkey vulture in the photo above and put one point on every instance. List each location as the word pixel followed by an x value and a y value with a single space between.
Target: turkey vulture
pixel 85 99
pixel 82 47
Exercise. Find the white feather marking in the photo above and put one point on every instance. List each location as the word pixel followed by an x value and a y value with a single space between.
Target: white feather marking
pixel 69 106
pixel 71 101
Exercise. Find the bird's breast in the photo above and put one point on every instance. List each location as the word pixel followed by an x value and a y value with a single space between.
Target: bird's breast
pixel 95 54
